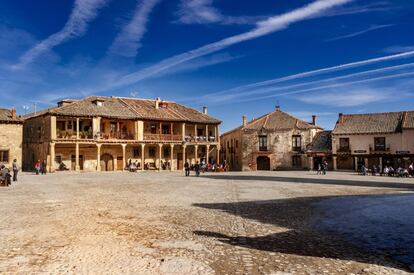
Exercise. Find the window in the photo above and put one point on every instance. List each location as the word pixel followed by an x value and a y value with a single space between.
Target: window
pixel 4 156
pixel 70 125
pixel 200 132
pixel 262 143
pixel 151 152
pixel 296 143
pixel 167 152
pixel 343 144
pixel 136 152
pixel 379 143
pixel 165 129
pixel 153 128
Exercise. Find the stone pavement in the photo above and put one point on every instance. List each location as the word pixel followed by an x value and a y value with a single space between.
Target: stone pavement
pixel 165 223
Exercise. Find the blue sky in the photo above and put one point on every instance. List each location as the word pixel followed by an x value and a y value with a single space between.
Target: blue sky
pixel 311 57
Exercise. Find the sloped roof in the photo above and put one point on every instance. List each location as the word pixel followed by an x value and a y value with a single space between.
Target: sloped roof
pixel 322 142
pixel 276 120
pixel 374 123
pixel 145 109
pixel 6 116
pixel 129 108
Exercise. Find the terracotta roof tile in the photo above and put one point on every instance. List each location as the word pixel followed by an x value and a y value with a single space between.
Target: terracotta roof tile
pixel 374 123
pixel 322 142
pixel 6 116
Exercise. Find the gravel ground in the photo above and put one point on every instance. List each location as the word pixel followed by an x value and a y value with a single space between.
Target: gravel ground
pixel 165 223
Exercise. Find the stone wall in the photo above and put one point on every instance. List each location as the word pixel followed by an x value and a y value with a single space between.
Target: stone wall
pixel 36 138
pixel 11 137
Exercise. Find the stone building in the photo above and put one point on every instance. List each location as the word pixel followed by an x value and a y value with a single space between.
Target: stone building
pixel 373 139
pixel 11 136
pixel 273 141
pixel 320 150
pixel 106 133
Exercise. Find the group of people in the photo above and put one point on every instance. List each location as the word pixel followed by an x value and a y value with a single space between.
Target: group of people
pixel 41 167
pixel 388 171
pixel 5 176
pixel 203 167
pixel 322 168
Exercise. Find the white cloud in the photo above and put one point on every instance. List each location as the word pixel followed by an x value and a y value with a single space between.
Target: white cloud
pixel 273 24
pixel 203 12
pixel 378 6
pixel 346 98
pixel 82 13
pixel 129 39
pixel 358 33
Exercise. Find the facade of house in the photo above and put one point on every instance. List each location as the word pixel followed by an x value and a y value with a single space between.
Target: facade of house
pixel 11 137
pixel 320 150
pixel 373 139
pixel 108 133
pixel 274 141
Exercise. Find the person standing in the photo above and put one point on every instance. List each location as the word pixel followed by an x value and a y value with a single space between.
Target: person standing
pixel 187 168
pixel 15 169
pixel 197 169
pixel 43 167
pixel 37 167
pixel 325 167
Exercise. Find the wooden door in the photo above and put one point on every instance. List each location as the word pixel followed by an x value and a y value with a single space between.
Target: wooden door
pixel 119 164
pixel 180 163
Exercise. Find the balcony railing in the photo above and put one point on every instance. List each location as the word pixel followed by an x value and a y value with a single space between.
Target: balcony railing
pixel 379 148
pixel 200 138
pixel 343 149
pixel 163 137
pixel 60 134
pixel 125 135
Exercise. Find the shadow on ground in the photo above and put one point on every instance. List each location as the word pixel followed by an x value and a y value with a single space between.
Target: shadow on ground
pixel 302 238
pixel 320 180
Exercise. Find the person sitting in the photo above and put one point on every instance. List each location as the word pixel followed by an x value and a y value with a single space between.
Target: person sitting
pixel 5 176
pixel 391 171
pixel 386 170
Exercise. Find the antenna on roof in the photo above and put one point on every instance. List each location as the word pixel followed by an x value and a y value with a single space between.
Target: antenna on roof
pixel 35 107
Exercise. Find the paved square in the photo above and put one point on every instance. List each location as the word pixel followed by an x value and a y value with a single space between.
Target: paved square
pixel 159 222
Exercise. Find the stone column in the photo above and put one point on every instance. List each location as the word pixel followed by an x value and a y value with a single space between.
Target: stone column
pixel 335 163
pixel 215 134
pixel 123 156
pixel 52 157
pixel 356 163
pixel 172 157
pixel 183 131
pixel 196 153
pixel 142 156
pixel 159 156
pixel 207 137
pixel 77 128
pixel 207 152
pixel 98 157
pixel 77 166
pixel 218 154
pixel 311 164
pixel 380 164
pixel 195 131
pixel 184 159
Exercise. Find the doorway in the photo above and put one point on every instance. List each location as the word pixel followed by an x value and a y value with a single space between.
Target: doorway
pixel 179 161
pixel 73 162
pixel 107 162
pixel 263 163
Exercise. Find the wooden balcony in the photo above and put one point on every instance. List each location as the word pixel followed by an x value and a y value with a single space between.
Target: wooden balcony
pixel 200 139
pixel 122 135
pixel 163 137
pixel 343 149
pixel 379 148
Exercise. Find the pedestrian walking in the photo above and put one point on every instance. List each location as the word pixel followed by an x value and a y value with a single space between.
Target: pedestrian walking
pixel 324 167
pixel 37 167
pixel 197 169
pixel 319 169
pixel 187 168
pixel 15 169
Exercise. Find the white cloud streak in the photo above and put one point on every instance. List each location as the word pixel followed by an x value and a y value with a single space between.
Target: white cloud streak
pixel 83 12
pixel 354 34
pixel 203 12
pixel 273 24
pixel 128 41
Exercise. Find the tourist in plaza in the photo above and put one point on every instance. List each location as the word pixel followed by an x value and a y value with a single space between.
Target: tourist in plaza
pixel 43 167
pixel 324 167
pixel 37 167
pixel 411 169
pixel 187 168
pixel 319 172
pixel 15 169
pixel 197 169
pixel 5 175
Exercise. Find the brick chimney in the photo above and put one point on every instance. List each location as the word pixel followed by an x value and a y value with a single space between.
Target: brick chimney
pixel 205 110
pixel 244 119
pixel 157 103
pixel 13 113
pixel 314 120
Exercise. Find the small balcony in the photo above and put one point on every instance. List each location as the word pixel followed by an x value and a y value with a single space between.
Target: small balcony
pixel 343 149
pixel 379 148
pixel 69 134
pixel 163 137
